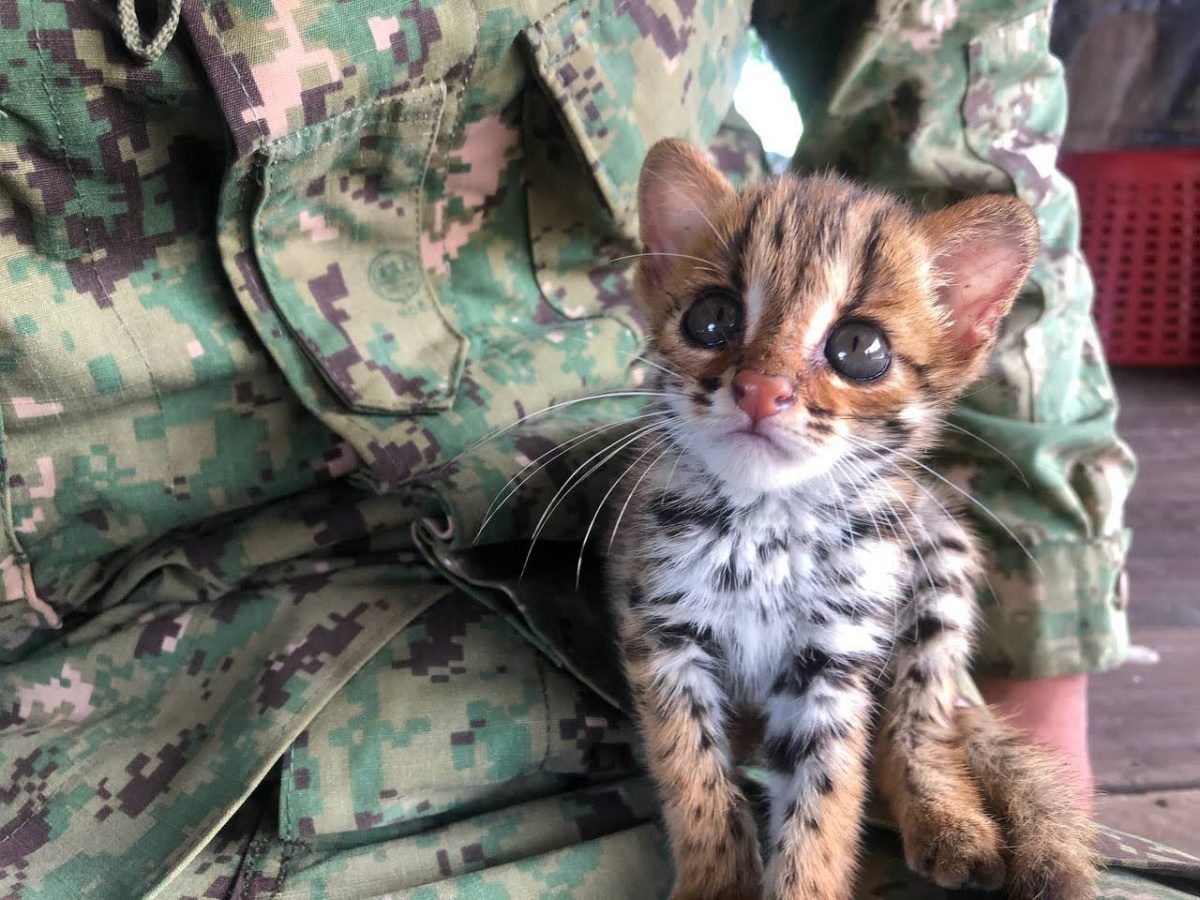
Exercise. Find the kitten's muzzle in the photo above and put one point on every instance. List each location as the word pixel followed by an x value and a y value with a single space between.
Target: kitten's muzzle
pixel 761 396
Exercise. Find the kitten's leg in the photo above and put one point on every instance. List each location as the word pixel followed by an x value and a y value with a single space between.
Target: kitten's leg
pixel 1050 840
pixel 682 710
pixel 818 728
pixel 920 759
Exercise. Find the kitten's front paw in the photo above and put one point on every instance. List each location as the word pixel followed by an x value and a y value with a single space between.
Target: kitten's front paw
pixel 958 854
pixel 1052 873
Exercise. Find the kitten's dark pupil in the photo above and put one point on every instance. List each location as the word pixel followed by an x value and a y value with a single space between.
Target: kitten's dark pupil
pixel 712 320
pixel 859 350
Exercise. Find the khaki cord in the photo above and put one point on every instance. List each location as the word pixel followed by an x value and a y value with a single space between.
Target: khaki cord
pixel 131 31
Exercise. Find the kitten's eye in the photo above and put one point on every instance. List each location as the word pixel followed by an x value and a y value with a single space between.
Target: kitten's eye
pixel 859 350
pixel 713 319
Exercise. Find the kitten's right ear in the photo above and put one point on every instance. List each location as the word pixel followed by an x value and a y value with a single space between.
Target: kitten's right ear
pixel 678 195
pixel 983 249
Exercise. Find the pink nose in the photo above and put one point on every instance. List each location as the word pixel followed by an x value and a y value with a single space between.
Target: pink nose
pixel 760 396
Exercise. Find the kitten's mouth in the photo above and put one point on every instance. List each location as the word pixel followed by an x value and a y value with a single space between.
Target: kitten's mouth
pixel 752 436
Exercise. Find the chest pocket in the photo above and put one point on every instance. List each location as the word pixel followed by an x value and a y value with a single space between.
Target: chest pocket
pixel 337 234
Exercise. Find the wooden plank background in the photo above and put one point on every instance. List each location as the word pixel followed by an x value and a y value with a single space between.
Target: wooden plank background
pixel 1145 717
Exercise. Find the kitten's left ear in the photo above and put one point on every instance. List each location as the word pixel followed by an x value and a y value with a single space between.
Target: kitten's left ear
pixel 983 250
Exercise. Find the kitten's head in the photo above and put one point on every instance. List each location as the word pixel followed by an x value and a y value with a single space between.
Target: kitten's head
pixel 810 323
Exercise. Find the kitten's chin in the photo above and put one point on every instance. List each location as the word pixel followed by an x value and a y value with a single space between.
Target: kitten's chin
pixel 754 464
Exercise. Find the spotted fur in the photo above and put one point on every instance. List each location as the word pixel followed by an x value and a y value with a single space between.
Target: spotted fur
pixel 807 573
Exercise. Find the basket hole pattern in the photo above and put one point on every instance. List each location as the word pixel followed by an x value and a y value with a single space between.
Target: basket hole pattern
pixel 1141 237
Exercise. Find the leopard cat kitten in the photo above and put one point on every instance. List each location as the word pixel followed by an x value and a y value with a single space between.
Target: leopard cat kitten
pixel 784 559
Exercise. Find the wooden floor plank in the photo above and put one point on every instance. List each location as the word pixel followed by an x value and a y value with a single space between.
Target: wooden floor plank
pixel 1172 817
pixel 1145 719
pixel 1160 420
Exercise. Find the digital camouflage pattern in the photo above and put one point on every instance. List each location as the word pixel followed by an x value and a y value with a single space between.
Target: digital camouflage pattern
pixel 256 295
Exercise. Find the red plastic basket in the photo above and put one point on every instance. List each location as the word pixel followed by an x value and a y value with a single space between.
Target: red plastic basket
pixel 1141 238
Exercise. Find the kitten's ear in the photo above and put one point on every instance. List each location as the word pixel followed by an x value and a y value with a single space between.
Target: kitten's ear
pixel 678 194
pixel 983 250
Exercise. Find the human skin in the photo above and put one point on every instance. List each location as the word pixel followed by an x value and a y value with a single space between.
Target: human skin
pixel 1054 712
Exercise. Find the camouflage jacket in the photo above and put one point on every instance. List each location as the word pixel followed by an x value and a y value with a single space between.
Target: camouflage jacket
pixel 261 299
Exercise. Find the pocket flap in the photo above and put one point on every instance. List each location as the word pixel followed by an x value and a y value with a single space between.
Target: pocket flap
pixel 626 75
pixel 337 236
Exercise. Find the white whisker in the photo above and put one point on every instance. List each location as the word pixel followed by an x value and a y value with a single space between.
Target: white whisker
pixel 641 478
pixel 703 263
pixel 992 447
pixel 607 395
pixel 629 355
pixel 955 487
pixel 555 452
pixel 587 468
pixel 603 500
pixel 672 372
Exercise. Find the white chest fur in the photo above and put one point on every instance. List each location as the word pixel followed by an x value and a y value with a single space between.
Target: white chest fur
pixel 767 579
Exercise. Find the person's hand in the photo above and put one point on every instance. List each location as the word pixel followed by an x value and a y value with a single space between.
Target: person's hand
pixel 1054 713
